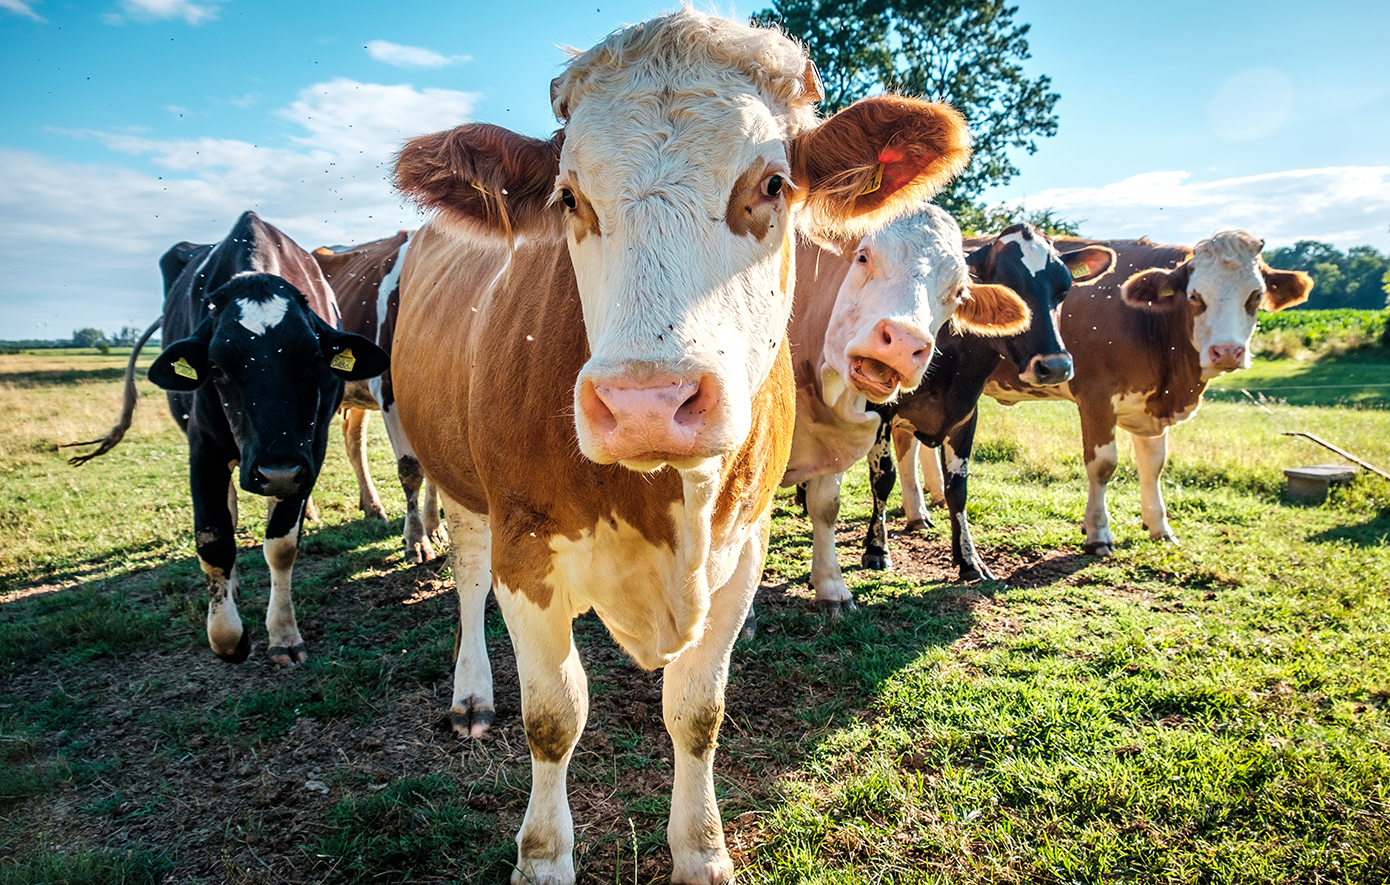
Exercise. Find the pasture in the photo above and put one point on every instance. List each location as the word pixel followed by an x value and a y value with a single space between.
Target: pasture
pixel 1210 712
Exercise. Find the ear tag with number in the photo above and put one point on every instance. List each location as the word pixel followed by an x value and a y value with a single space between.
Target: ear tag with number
pixel 181 367
pixel 344 361
pixel 876 183
pixel 1079 271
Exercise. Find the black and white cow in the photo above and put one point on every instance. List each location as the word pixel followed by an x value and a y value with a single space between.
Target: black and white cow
pixel 253 316
pixel 942 411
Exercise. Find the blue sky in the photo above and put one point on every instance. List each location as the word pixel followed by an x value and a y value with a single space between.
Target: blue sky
pixel 130 125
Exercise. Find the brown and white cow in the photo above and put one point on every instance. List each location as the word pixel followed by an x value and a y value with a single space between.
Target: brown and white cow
pixel 593 366
pixel 862 331
pixel 366 280
pixel 1145 341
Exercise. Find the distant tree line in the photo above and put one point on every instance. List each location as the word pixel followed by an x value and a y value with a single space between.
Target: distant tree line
pixel 1358 278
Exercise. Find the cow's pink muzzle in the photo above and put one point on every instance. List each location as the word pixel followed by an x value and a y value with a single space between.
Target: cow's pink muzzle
pixel 660 419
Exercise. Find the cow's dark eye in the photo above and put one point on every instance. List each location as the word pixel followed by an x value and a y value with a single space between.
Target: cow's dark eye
pixel 567 197
pixel 773 185
pixel 863 258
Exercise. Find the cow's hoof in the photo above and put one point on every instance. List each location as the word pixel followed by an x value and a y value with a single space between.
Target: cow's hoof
pixel 1097 549
pixel 716 871
pixel 971 574
pixel 473 722
pixel 749 628
pixel 919 525
pixel 418 552
pixel 374 511
pixel 835 608
pixel 287 655
pixel 879 562
pixel 242 652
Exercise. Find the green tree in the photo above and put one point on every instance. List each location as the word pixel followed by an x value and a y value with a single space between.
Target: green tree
pixel 1358 279
pixel 966 52
pixel 87 337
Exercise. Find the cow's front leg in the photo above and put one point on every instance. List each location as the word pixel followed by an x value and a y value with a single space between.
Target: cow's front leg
pixel 214 535
pixel 692 703
pixel 883 476
pixel 1150 454
pixel 823 508
pixel 283 521
pixel 927 486
pixel 355 438
pixel 470 559
pixel 1100 455
pixel 554 708
pixel 955 459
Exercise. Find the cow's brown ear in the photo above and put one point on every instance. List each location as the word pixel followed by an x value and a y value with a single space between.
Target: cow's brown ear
pixel 1089 264
pixel 483 176
pixel 1157 289
pixel 875 160
pixel 993 311
pixel 1284 288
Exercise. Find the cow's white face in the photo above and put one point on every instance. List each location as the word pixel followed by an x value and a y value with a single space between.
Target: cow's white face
pixel 679 224
pixel 904 282
pixel 1224 289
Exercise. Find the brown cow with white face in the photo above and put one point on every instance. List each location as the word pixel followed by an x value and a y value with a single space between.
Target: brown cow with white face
pixel 1145 350
pixel 593 366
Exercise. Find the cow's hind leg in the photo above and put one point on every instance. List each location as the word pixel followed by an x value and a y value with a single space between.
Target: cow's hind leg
pixel 417 543
pixel 1150 454
pixel 913 468
pixel 355 438
pixel 214 534
pixel 283 522
pixel 692 702
pixel 882 477
pixel 470 559
pixel 554 707
pixel 429 515
pixel 823 507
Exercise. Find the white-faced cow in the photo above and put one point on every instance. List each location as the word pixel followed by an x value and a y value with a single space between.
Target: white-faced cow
pixel 862 331
pixel 598 375
pixel 366 280
pixel 1145 341
pixel 253 316
pixel 942 411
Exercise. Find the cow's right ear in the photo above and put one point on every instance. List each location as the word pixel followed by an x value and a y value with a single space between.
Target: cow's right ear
pixel 1088 264
pixel 182 366
pixel 1158 289
pixel 483 177
pixel 992 311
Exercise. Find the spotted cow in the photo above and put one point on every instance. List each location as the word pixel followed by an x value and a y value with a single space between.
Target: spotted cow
pixel 862 332
pixel 942 411
pixel 366 281
pixel 594 368
pixel 253 316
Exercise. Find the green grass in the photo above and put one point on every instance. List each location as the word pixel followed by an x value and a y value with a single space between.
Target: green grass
pixel 1208 712
pixel 1359 378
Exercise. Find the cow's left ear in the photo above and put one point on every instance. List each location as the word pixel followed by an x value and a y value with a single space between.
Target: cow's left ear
pixel 351 357
pixel 991 310
pixel 182 366
pixel 1284 288
pixel 1158 289
pixel 1089 264
pixel 875 160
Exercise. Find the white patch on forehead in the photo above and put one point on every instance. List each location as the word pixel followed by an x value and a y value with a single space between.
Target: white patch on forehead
pixel 1036 254
pixel 258 316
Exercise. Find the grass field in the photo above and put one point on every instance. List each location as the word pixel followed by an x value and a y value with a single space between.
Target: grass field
pixel 1210 712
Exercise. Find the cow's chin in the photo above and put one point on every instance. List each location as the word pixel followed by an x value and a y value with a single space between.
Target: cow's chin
pixel 648 461
pixel 1216 370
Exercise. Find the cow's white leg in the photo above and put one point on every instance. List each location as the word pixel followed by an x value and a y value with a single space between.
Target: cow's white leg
pixel 214 534
pixel 281 547
pixel 554 708
pixel 1150 454
pixel 823 508
pixel 417 543
pixel 470 559
pixel 355 438
pixel 908 451
pixel 1100 466
pixel 692 702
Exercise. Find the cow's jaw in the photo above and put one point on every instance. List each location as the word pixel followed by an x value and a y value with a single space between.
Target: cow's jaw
pixel 1223 290
pixel 901 288
pixel 686 296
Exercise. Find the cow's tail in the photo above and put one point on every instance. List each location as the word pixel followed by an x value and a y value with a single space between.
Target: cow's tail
pixel 117 433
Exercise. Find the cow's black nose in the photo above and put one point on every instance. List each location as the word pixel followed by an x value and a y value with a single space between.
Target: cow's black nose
pixel 279 480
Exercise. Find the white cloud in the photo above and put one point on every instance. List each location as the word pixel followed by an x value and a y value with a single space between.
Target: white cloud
pixel 80 242
pixel 1343 205
pixel 195 13
pixel 410 56
pixel 19 7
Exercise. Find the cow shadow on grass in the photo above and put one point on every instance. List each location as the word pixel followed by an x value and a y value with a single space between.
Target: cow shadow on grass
pixel 1374 532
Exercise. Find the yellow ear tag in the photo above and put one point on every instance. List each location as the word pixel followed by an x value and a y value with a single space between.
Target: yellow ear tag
pixel 181 367
pixel 876 183
pixel 344 361
pixel 1079 271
